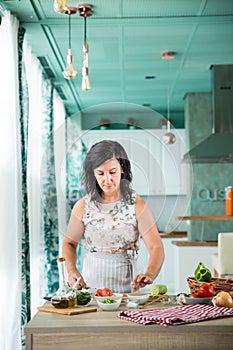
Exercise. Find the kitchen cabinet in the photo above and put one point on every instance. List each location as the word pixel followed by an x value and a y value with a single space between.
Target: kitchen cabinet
pixel 168 273
pixel 176 173
pixel 187 256
pixel 157 168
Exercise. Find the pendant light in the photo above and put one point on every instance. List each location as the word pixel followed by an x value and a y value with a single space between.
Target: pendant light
pixel 60 6
pixel 168 138
pixel 85 11
pixel 70 72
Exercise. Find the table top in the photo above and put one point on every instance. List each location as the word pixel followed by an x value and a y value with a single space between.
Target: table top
pixel 108 321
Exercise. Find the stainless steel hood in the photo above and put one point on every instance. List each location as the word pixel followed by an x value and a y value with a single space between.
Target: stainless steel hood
pixel 218 147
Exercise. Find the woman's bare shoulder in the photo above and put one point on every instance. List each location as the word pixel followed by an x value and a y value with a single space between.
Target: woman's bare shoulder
pixel 78 208
pixel 140 204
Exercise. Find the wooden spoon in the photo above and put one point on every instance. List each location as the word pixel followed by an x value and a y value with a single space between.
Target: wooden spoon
pixel 164 296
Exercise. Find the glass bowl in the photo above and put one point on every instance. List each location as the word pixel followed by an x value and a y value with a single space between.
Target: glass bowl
pixel 139 298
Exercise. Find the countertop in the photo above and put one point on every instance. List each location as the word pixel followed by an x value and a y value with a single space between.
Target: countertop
pixel 103 330
pixel 194 244
pixel 173 234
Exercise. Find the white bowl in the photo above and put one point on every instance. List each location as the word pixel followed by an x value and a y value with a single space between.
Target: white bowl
pixel 106 306
pixel 139 298
pixel 115 296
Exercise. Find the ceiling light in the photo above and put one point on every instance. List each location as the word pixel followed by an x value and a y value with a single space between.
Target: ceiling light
pixel 60 6
pixel 85 11
pixel 168 55
pixel 70 72
pixel 168 138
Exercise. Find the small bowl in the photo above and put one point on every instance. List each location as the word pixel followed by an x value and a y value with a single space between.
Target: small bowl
pixel 109 307
pixel 131 304
pixel 84 298
pixel 139 298
pixel 194 300
pixel 115 296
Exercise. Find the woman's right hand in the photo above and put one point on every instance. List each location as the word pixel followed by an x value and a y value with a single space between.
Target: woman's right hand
pixel 73 276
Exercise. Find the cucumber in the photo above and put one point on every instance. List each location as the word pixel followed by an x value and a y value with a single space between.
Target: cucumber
pixel 158 289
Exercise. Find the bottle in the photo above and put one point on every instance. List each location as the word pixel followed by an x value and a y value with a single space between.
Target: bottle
pixel 229 201
pixel 64 296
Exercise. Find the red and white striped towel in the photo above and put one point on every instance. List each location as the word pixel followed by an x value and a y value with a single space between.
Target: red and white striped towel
pixel 176 315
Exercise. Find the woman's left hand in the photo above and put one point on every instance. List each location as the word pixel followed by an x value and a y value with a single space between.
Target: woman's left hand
pixel 141 281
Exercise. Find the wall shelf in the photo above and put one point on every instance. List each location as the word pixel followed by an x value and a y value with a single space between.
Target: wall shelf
pixel 204 218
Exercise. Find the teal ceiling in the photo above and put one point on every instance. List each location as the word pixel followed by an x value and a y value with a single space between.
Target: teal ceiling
pixel 126 40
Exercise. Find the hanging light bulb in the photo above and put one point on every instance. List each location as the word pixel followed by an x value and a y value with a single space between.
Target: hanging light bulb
pixel 70 72
pixel 85 11
pixel 168 138
pixel 60 6
pixel 85 78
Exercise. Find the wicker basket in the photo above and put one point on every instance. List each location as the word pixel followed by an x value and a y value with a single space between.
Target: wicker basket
pixel 219 284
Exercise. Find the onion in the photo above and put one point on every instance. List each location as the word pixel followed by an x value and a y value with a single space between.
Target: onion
pixel 222 299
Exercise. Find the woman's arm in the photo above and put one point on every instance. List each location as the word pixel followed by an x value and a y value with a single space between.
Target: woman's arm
pixel 150 235
pixel 74 233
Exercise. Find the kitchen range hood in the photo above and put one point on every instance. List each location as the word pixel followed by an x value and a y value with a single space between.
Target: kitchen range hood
pixel 218 147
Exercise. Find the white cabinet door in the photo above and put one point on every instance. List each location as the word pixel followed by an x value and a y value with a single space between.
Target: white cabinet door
pixel 174 172
pixel 142 151
pixel 157 168
pixel 186 260
pixel 168 274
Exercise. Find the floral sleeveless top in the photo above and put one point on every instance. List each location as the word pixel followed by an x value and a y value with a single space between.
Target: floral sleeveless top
pixel 111 227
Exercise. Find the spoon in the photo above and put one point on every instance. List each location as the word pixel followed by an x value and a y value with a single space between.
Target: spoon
pixel 76 283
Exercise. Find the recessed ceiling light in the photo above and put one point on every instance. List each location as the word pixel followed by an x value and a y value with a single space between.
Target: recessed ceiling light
pixel 168 55
pixel 150 77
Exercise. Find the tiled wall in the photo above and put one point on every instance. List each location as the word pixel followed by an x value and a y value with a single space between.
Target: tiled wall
pixel 209 180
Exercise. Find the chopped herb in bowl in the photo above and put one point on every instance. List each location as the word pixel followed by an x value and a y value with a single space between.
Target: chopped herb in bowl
pixel 83 298
pixel 109 301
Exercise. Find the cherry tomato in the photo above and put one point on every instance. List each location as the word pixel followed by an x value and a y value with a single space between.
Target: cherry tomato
pixel 193 295
pixel 105 292
pixel 205 291
pixel 98 293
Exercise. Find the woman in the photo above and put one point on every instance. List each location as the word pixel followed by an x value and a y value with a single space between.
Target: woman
pixel 111 218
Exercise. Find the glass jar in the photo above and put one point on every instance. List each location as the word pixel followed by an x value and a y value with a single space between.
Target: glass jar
pixel 229 201
pixel 65 296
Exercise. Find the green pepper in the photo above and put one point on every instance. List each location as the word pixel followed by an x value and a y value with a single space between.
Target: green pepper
pixel 202 273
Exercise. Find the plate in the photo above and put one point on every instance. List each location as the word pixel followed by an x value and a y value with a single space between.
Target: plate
pixel 193 301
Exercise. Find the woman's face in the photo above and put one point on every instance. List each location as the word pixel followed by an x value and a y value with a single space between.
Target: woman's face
pixel 108 176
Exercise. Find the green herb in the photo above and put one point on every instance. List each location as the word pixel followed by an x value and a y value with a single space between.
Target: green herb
pixel 83 298
pixel 109 301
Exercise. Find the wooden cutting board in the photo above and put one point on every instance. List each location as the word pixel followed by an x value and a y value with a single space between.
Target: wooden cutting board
pixel 68 311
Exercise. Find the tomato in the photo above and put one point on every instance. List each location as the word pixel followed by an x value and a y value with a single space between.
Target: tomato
pixel 205 291
pixel 98 293
pixel 193 295
pixel 105 292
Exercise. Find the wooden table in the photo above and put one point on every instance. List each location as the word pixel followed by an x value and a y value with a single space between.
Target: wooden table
pixel 104 330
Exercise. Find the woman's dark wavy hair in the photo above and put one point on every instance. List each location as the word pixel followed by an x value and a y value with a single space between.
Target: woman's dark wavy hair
pixel 99 153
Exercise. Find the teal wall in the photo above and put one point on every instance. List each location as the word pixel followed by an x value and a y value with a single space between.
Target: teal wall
pixel 209 180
